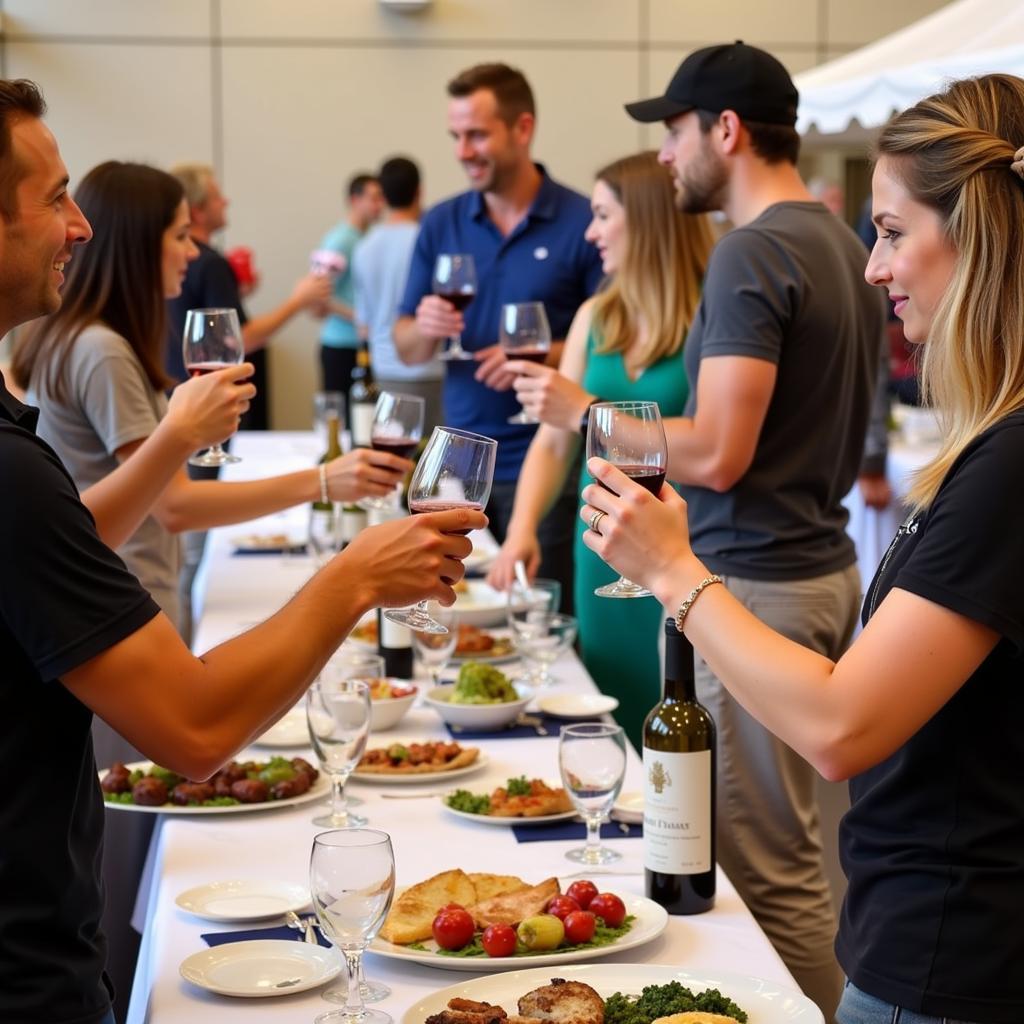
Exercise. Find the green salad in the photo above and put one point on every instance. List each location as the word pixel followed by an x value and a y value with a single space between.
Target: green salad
pixel 482 684
pixel 663 1000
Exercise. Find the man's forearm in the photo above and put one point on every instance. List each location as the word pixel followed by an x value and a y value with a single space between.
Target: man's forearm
pixel 411 345
pixel 260 329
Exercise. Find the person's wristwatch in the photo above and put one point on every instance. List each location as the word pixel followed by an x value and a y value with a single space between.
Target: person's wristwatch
pixel 585 418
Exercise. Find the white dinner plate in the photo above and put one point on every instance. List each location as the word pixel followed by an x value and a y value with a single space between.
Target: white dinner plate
pixel 422 777
pixel 577 705
pixel 651 920
pixel 497 819
pixel 319 789
pixel 267 544
pixel 290 730
pixel 243 899
pixel 765 1002
pixel 629 807
pixel 262 967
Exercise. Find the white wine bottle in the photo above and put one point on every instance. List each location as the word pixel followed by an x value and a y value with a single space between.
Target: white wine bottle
pixel 324 516
pixel 362 399
pixel 679 789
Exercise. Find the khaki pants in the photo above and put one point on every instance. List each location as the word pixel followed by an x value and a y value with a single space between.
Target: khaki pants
pixel 769 833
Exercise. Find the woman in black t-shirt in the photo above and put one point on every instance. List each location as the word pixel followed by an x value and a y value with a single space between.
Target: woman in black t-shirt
pixel 923 712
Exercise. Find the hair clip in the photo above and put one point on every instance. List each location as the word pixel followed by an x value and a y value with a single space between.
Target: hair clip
pixel 1017 165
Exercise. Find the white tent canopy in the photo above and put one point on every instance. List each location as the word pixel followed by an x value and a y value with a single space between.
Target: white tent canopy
pixel 968 37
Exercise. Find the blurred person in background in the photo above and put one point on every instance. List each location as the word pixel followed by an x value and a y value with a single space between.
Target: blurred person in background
pixel 339 335
pixel 380 266
pixel 625 344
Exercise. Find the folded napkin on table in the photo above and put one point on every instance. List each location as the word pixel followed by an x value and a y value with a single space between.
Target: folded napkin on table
pixel 281 931
pixel 573 830
pixel 553 727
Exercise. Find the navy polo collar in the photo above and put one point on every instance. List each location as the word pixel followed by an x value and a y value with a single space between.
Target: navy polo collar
pixel 24 416
pixel 543 207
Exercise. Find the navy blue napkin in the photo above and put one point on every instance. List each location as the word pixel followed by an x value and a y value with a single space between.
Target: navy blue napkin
pixel 571 830
pixel 515 731
pixel 291 549
pixel 281 931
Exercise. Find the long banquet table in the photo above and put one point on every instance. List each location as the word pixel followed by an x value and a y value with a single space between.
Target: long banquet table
pixel 190 851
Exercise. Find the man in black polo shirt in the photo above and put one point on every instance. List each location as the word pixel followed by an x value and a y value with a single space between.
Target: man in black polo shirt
pixel 79 634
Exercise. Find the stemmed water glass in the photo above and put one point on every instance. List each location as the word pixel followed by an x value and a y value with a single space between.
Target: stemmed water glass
pixel 525 334
pixel 629 435
pixel 338 716
pixel 397 428
pixel 592 761
pixel 455 280
pixel 435 650
pixel 454 471
pixel 352 883
pixel 211 341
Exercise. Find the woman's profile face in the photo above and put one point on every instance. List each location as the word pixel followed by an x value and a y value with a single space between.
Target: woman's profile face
pixel 178 251
pixel 607 228
pixel 912 259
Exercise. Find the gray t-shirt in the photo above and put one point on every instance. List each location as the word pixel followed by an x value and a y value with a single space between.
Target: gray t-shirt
pixel 109 402
pixel 789 288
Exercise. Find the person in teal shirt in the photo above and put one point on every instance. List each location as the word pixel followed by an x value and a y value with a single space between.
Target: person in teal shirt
pixel 339 336
pixel 625 344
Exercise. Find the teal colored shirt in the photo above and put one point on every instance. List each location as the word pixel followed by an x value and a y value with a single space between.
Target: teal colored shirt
pixel 336 332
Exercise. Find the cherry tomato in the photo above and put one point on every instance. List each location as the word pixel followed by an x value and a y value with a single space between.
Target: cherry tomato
pixel 453 927
pixel 579 926
pixel 609 907
pixel 582 892
pixel 499 940
pixel 561 906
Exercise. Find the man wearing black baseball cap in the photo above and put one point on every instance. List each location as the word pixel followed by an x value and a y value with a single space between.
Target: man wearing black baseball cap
pixel 781 359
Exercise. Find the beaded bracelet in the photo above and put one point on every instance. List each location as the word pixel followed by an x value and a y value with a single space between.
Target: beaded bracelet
pixel 324 495
pixel 694 594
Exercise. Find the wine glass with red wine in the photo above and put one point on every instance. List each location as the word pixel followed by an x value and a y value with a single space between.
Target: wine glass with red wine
pixel 631 437
pixel 525 334
pixel 397 428
pixel 455 281
pixel 454 471
pixel 212 340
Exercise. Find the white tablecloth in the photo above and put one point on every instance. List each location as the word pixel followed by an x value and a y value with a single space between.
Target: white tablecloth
pixel 238 590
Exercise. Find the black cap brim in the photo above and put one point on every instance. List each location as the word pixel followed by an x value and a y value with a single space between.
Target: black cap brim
pixel 661 108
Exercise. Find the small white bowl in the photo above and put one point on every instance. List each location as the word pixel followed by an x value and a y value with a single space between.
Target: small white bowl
pixel 485 717
pixel 386 713
pixel 577 705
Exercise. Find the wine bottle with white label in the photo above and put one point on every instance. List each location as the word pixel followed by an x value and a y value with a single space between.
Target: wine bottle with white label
pixel 394 645
pixel 679 789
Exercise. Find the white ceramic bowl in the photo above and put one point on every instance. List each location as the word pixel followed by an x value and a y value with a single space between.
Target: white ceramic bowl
pixel 387 713
pixel 481 605
pixel 485 717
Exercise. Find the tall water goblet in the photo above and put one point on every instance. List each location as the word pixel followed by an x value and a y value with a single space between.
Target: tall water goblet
pixel 212 340
pixel 352 883
pixel 542 639
pixel 455 281
pixel 525 334
pixel 397 428
pixel 454 471
pixel 629 435
pixel 338 716
pixel 592 761
pixel 434 650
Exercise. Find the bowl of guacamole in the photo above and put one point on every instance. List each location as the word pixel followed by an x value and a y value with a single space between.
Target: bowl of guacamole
pixel 481 698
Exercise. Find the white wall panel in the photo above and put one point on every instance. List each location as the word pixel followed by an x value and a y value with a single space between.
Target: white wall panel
pixel 695 21
pixel 108 18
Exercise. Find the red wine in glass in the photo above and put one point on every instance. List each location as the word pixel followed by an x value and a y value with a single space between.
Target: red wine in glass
pixel 403 447
pixel 649 477
pixel 199 369
pixel 460 300
pixel 531 355
pixel 444 505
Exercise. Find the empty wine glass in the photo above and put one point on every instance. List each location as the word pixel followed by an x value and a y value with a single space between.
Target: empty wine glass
pixel 324 531
pixel 542 639
pixel 435 650
pixel 212 340
pixel 338 716
pixel 525 334
pixel 454 471
pixel 592 761
pixel 352 883
pixel 629 435
pixel 455 280
pixel 397 428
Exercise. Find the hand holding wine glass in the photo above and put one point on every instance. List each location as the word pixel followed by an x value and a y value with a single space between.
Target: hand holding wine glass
pixel 630 436
pixel 352 883
pixel 455 281
pixel 454 471
pixel 211 341
pixel 525 334
pixel 397 428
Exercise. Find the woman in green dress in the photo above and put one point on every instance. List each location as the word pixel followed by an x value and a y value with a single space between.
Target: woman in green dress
pixel 624 344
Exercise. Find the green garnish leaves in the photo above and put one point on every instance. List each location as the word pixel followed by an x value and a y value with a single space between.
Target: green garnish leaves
pixel 518 787
pixel 463 800
pixel 664 1000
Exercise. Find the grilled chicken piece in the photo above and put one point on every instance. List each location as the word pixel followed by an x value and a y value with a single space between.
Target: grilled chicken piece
pixel 486 1014
pixel 566 1002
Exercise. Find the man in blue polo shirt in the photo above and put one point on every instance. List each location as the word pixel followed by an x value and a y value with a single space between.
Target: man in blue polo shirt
pixel 525 234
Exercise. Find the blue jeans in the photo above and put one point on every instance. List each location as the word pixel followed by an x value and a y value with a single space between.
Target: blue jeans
pixel 857 1007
